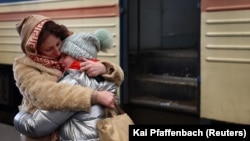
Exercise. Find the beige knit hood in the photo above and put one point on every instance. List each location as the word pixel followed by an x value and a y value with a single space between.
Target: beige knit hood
pixel 28 29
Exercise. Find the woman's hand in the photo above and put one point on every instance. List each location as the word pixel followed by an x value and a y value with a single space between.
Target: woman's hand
pixel 106 98
pixel 92 68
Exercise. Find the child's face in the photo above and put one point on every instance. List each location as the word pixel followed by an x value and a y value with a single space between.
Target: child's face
pixel 66 60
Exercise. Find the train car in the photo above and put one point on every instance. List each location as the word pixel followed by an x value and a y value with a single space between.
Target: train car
pixel 225 61
pixel 188 57
pixel 185 62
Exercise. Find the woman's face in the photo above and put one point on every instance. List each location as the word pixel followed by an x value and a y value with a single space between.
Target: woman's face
pixel 51 47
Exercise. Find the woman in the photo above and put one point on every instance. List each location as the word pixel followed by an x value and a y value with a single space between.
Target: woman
pixel 73 126
pixel 36 73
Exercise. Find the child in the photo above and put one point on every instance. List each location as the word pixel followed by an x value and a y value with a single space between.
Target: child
pixel 73 125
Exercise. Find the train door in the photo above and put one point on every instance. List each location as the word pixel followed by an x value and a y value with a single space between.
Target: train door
pixel 160 42
pixel 225 60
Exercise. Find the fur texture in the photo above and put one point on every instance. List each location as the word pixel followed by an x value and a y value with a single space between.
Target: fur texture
pixel 40 89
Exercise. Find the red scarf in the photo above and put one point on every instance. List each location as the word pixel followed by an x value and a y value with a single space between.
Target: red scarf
pixel 76 64
pixel 47 62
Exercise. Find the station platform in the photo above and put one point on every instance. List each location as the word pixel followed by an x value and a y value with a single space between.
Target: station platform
pixel 8 133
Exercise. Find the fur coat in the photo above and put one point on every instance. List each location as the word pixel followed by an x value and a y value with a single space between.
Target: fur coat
pixel 40 90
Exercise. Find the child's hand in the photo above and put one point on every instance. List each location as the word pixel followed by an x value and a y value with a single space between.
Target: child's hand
pixel 91 68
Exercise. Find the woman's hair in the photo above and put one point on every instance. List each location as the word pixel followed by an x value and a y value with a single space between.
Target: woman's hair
pixel 51 27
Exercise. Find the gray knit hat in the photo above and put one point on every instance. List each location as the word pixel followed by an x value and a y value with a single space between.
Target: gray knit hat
pixel 86 44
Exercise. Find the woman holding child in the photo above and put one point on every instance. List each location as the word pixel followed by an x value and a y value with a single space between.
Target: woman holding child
pixel 37 72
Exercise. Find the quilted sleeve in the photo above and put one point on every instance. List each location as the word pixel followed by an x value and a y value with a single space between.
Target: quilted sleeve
pixel 41 123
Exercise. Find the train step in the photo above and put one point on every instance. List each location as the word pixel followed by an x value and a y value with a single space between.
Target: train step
pixel 167 79
pixel 166 92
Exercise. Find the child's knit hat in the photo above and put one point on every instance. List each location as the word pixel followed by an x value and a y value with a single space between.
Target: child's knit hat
pixel 87 45
pixel 28 29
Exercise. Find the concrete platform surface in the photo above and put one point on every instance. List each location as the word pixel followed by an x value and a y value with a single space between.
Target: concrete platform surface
pixel 8 133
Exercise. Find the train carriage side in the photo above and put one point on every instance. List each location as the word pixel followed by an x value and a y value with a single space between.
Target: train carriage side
pixel 187 62
pixel 184 61
pixel 225 61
